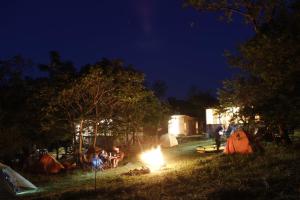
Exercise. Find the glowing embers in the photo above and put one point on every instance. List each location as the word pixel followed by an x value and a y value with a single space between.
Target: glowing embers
pixel 153 159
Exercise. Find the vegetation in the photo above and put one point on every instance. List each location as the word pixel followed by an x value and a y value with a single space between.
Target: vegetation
pixel 44 111
pixel 256 13
pixel 267 85
pixel 18 125
pixel 189 175
pixel 111 99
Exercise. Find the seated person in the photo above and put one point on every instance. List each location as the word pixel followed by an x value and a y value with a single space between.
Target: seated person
pixel 117 157
pixel 103 156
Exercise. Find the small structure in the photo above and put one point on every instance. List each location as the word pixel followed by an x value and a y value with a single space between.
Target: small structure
pixel 179 125
pixel 183 125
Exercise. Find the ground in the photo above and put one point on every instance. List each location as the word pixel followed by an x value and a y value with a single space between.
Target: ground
pixel 274 174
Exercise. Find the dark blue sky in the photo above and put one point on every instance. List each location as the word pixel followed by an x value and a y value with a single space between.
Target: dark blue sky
pixel 159 37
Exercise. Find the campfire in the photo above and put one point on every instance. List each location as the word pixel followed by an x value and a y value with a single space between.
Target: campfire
pixel 153 159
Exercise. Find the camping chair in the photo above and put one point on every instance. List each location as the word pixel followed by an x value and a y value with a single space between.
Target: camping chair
pixel 106 164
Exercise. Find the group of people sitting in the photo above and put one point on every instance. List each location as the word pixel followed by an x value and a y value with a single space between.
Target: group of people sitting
pixel 111 159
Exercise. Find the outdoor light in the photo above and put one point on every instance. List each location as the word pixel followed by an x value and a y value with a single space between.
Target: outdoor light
pixel 96 165
pixel 96 162
pixel 209 116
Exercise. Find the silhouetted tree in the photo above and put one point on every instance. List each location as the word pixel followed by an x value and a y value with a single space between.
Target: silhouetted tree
pixel 256 13
pixel 269 62
pixel 159 88
pixel 15 117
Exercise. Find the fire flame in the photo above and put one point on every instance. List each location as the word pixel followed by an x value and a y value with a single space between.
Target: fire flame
pixel 153 159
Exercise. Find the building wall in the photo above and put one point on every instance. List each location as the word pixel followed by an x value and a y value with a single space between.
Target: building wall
pixel 215 119
pixel 182 125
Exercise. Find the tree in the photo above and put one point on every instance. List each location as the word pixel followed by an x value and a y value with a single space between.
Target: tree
pixel 256 13
pixel 159 88
pixel 15 118
pixel 194 105
pixel 200 100
pixel 59 72
pixel 148 113
pixel 127 89
pixel 156 116
pixel 135 106
pixel 268 83
pixel 53 125
pixel 108 95
pixel 85 99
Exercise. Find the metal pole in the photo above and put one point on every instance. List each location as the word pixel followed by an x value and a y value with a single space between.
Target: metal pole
pixel 95 178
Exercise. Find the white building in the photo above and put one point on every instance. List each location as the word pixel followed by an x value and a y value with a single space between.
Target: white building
pixel 183 125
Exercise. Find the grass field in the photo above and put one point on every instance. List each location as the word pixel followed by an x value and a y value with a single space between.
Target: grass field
pixel 187 175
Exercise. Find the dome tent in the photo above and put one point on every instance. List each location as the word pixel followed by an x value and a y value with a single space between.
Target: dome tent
pixel 13 182
pixel 238 142
pixel 168 140
pixel 50 165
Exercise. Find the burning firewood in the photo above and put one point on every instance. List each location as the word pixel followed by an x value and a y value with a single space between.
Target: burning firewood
pixel 153 159
pixel 137 172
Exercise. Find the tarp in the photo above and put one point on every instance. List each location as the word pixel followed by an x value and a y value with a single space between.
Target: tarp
pixel 50 165
pixel 168 140
pixel 209 149
pixel 13 182
pixel 238 142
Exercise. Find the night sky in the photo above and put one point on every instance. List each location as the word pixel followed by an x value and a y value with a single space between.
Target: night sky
pixel 159 37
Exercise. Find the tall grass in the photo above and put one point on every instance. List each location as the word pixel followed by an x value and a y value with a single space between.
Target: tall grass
pixel 189 175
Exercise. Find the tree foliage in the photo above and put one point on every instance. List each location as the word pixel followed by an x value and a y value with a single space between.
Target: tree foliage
pixel 268 84
pixel 255 12
pixel 16 131
pixel 194 105
pixel 44 111
pixel 159 88
pixel 107 95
